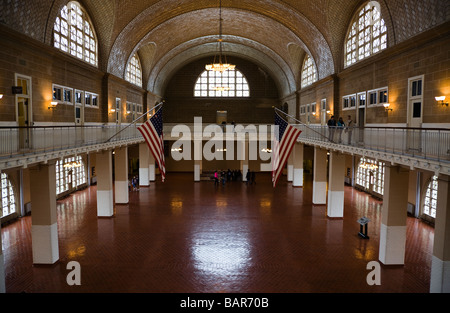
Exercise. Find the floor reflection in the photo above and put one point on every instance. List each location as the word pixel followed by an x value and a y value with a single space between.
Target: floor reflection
pixel 221 258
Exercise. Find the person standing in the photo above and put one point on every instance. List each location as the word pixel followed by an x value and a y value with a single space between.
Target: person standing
pixel 331 128
pixel 340 128
pixel 349 129
pixel 248 177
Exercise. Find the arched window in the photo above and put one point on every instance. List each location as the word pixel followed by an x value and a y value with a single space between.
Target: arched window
pixel 367 34
pixel 370 175
pixel 70 174
pixel 309 72
pixel 8 199
pixel 73 33
pixel 231 83
pixel 430 201
pixel 134 71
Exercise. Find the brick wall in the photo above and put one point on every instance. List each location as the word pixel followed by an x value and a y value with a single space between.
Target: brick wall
pixel 182 107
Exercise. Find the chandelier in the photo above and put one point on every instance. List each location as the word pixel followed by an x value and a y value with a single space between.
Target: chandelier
pixel 369 166
pixel 220 63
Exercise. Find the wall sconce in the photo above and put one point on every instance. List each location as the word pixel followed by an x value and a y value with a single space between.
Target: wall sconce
pixel 441 100
pixel 1 95
pixel 328 112
pixel 53 105
pixel 386 107
pixel 112 111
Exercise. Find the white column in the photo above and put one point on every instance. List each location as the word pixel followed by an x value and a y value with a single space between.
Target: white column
pixel 198 147
pixel 121 175
pixel 440 262
pixel 297 157
pixel 151 168
pixel 393 216
pixel 290 168
pixel 244 157
pixel 44 228
pixel 2 266
pixel 335 208
pixel 144 153
pixel 320 176
pixel 105 194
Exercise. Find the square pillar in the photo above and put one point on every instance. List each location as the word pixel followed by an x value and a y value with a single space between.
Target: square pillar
pixel 144 154
pixel 2 266
pixel 105 202
pixel 297 158
pixel 320 176
pixel 198 152
pixel 121 175
pixel 44 228
pixel 393 216
pixel 440 262
pixel 151 168
pixel 290 168
pixel 243 156
pixel 335 208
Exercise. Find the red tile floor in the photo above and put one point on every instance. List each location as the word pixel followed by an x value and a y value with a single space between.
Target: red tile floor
pixel 186 237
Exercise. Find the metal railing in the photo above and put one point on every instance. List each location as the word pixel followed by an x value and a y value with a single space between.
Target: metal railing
pixel 16 141
pixel 432 144
pixel 424 143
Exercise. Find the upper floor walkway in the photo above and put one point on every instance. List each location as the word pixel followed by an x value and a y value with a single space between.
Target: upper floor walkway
pixel 423 148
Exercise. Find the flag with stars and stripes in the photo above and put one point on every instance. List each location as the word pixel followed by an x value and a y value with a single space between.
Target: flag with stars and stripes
pixel 152 131
pixel 285 138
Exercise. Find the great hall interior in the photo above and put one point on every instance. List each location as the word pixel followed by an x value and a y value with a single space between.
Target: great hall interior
pixel 359 207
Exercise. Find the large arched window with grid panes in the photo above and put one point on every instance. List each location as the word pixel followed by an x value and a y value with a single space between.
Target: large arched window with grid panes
pixel 430 201
pixel 309 72
pixel 370 175
pixel 8 199
pixel 231 83
pixel 73 33
pixel 134 71
pixel 367 34
pixel 70 174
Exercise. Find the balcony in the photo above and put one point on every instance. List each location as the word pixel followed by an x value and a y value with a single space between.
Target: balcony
pixel 20 146
pixel 422 148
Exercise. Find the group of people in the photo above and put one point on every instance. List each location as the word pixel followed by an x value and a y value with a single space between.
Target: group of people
pixel 133 183
pixel 223 176
pixel 339 126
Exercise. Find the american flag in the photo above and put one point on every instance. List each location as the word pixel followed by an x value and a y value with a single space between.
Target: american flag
pixel 285 138
pixel 152 130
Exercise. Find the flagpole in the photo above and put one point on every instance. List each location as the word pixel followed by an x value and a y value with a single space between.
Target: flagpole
pixel 134 122
pixel 299 122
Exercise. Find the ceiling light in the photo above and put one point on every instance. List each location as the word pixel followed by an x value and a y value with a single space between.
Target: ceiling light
pixel 220 63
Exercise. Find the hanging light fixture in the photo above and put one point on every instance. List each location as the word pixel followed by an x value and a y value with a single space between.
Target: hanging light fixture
pixel 221 65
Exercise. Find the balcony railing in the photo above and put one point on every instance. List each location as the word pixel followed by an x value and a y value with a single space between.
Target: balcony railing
pixel 17 141
pixel 424 143
pixel 431 144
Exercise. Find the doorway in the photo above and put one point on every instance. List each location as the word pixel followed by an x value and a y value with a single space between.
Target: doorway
pixel 361 116
pixel 415 113
pixel 24 111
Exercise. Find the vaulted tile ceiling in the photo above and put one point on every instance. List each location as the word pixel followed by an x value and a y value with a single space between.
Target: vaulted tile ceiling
pixel 275 34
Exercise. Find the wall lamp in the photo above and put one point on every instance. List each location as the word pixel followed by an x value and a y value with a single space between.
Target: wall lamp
pixel 1 95
pixel 112 111
pixel 53 105
pixel 386 107
pixel 441 100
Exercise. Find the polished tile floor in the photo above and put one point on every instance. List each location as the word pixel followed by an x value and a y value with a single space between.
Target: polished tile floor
pixel 186 237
